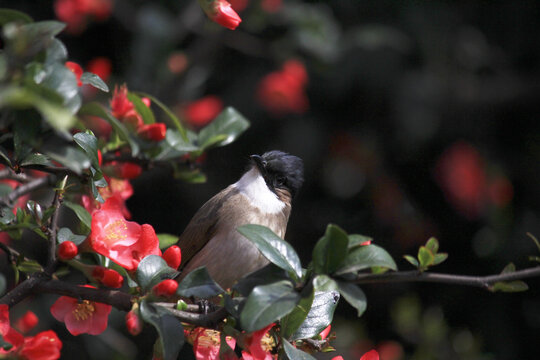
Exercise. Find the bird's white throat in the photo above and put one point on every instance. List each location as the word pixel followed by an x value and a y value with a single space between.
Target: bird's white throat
pixel 253 186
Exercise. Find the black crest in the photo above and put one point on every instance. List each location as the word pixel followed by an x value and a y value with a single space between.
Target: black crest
pixel 281 170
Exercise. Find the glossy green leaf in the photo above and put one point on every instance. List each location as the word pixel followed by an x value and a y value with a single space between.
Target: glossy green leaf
pixel 143 110
pixel 168 112
pixel 72 158
pixel 4 155
pixel 81 213
pixel 268 303
pixel 439 258
pixel 36 159
pixel 94 80
pixel 9 15
pixel 175 139
pixel 56 52
pixel 62 80
pixel 275 249
pixel 364 257
pixel 169 328
pixel 65 234
pixel 267 275
pixel 354 296
pixel 6 216
pixel 432 245
pixel 295 354
pixel 330 250
pixel 26 41
pixel 198 283
pixel 166 240
pixel 29 266
pixel 151 270
pixel 291 323
pixel 88 142
pixel 412 260
pixel 228 125
pixel 357 240
pixel 95 109
pixel 425 257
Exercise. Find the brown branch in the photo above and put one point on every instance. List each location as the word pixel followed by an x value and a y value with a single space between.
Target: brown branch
pixel 7 173
pixel 23 290
pixel 414 276
pixel 209 320
pixel 30 186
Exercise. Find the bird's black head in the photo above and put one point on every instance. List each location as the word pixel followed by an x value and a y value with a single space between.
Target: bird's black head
pixel 280 170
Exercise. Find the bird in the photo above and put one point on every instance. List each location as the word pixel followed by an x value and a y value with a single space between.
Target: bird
pixel 262 196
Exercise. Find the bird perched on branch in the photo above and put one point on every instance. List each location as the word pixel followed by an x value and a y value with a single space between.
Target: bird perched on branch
pixel 261 196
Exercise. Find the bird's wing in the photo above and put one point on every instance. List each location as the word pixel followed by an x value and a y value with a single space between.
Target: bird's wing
pixel 202 226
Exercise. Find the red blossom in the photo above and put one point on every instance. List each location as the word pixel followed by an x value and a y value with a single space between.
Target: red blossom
pixel 283 91
pixel 221 12
pixel 124 242
pixel 119 189
pixel 120 105
pixel 153 132
pixel 165 288
pixel 146 101
pixel 67 250
pixel 44 346
pixel 200 112
pixel 339 357
pixel 206 343
pixel 75 69
pixel 4 319
pixel 325 332
pixel 173 256
pixel 108 277
pixel 370 355
pixel 81 317
pixel 26 322
pixel 76 13
pixel 101 66
pixel 123 170
pixel 256 347
pixel 133 323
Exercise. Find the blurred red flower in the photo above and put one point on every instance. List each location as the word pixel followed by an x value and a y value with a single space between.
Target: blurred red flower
pixel 201 112
pixel 122 170
pixel 370 355
pixel 26 322
pixel 124 242
pixel 120 105
pixel 133 323
pixel 81 317
pixel 153 132
pixel 75 69
pixel 221 12
pixel 76 13
pixel 101 66
pixel 271 6
pixel 239 5
pixel 206 343
pixel 258 344
pixel 283 91
pixel 120 189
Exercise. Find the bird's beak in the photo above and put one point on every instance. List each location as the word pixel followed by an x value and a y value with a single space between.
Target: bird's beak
pixel 260 162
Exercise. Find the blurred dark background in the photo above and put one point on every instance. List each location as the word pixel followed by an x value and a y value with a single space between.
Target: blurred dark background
pixel 422 121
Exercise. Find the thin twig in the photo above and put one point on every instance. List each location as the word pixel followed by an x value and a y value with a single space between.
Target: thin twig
pixel 38 183
pixel 415 276
pixel 7 173
pixel 53 227
pixel 209 320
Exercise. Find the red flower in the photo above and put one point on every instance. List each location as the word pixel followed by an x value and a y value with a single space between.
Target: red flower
pixel 119 189
pixel 339 357
pixel 165 288
pixel 370 355
pixel 44 346
pixel 101 66
pixel 221 12
pixel 257 346
pixel 81 317
pixel 146 101
pixel 239 5
pixel 124 242
pixel 76 12
pixel 173 256
pixel 120 105
pixel 123 170
pixel 67 250
pixel 200 112
pixel 27 322
pixel 4 319
pixel 108 277
pixel 325 332
pixel 284 91
pixel 207 342
pixel 153 132
pixel 133 323
pixel 75 69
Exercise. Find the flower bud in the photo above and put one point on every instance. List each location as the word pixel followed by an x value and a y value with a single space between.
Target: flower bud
pixel 325 332
pixel 221 12
pixel 173 256
pixel 165 288
pixel 27 322
pixel 153 132
pixel 133 323
pixel 67 250
pixel 123 170
pixel 108 277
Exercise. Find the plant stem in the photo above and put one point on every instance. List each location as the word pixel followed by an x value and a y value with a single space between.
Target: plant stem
pixel 30 186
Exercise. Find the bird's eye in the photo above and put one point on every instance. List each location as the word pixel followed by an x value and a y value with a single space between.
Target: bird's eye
pixel 280 180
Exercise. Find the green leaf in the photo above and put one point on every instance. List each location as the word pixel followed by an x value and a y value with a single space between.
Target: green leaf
pixel 267 275
pixel 425 257
pixel 330 250
pixel 326 298
pixel 510 286
pixel 65 234
pixel 439 258
pixel 60 79
pixel 6 216
pixel 275 249
pixel 88 142
pixel 169 328
pixel 432 245
pixel 198 283
pixel 4 155
pixel 292 322
pixel 268 303
pixel 194 176
pixel 8 15
pixel 357 240
pixel 412 260
pixel 354 296
pixel 56 52
pixel 29 266
pixel 81 213
pixel 510 268
pixel 364 257
pixel 176 140
pixel 95 109
pixel 151 270
pixel 295 354
pixel 94 80
pixel 36 159
pixel 143 110
pixel 168 112
pixel 225 128
pixel 72 158
pixel 166 240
